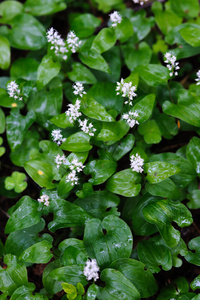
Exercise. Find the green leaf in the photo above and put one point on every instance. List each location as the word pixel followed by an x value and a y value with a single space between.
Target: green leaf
pixel 77 142
pixel 67 214
pixel 113 132
pixel 13 276
pixel 193 256
pixel 50 105
pixel 61 121
pixel 108 240
pixel 72 274
pixel 144 108
pixel 137 274
pixel 39 253
pixel 193 153
pixel 191 35
pixel 136 56
pixel 84 24
pixel 9 9
pixel 154 255
pixel 124 30
pixel 74 256
pixel 161 213
pixel 69 288
pixel 95 110
pixel 51 285
pixel 25 68
pixel 124 146
pixel 24 292
pixel 24 216
pixel 151 132
pixel 104 40
pixel 141 25
pixel 187 109
pixel 43 7
pixel 80 289
pixel 23 26
pixel 47 70
pixel 81 73
pixel 165 188
pixel 195 284
pixel 17 126
pixel 4 53
pixel 40 172
pixel 16 181
pixel 99 204
pixel 2 121
pixel 94 60
pixel 117 287
pixel 125 183
pixel 64 187
pixel 92 292
pixel 105 94
pixel 159 171
pixel 185 8
pixel 194 197
pixel 153 74
pixel 100 170
pixel 139 224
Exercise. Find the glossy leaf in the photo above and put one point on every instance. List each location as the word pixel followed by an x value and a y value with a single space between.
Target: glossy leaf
pixel 92 292
pixel 94 60
pixel 191 35
pixel 165 188
pixel 24 216
pixel 195 284
pixel 78 142
pixel 108 240
pixel 10 9
pixel 159 171
pixel 38 253
pixel 47 70
pixel 194 197
pixel 4 53
pixel 144 108
pixel 61 121
pixel 43 7
pixel 99 204
pixel 25 68
pixel 104 40
pixel 84 24
pixel 137 274
pixel 161 213
pixel 153 74
pixel 2 121
pixel 17 126
pixel 185 8
pixel 117 286
pixel 81 73
pixel 113 132
pixel 193 256
pixel 151 132
pixel 51 285
pixel 72 274
pixel 124 146
pixel 193 153
pixel 125 183
pixel 67 214
pixel 124 30
pixel 23 26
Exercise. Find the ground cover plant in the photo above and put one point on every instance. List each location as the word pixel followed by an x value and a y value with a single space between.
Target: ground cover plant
pixel 100 149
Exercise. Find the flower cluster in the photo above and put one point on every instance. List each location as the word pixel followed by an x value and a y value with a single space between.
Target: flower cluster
pixel 78 89
pixel 59 160
pixel 172 65
pixel 91 270
pixel 127 90
pixel 137 163
pixel 57 43
pixel 130 118
pixel 115 18
pixel 198 77
pixel 57 136
pixel 73 42
pixel 44 199
pixel 73 111
pixel 13 90
pixel 87 128
pixel 75 168
pixel 141 2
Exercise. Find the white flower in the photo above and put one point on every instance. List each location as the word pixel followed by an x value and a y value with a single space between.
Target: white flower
pixel 115 18
pixel 140 1
pixel 57 136
pixel 76 165
pixel 44 199
pixel 130 118
pixel 78 89
pixel 73 111
pixel 72 178
pixel 57 43
pixel 59 160
pixel 91 270
pixel 127 90
pixel 137 163
pixel 87 128
pixel 172 65
pixel 73 41
pixel 13 90
pixel 198 77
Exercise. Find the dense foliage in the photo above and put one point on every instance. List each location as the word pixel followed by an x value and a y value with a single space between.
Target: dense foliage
pixel 100 149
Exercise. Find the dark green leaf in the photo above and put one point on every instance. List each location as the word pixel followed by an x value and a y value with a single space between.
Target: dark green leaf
pixel 92 292
pixel 144 108
pixel 124 146
pixel 193 153
pixel 151 132
pixel 94 60
pixel 78 142
pixel 159 171
pixel 81 73
pixel 193 256
pixel 165 188
pixel 71 274
pixel 9 9
pixel 124 30
pixel 185 8
pixel 2 121
pixel 108 240
pixel 51 286
pixel 84 24
pixel 43 7
pixel 4 53
pixel 25 68
pixel 104 40
pixel 113 132
pixel 38 253
pixel 194 197
pixel 153 75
